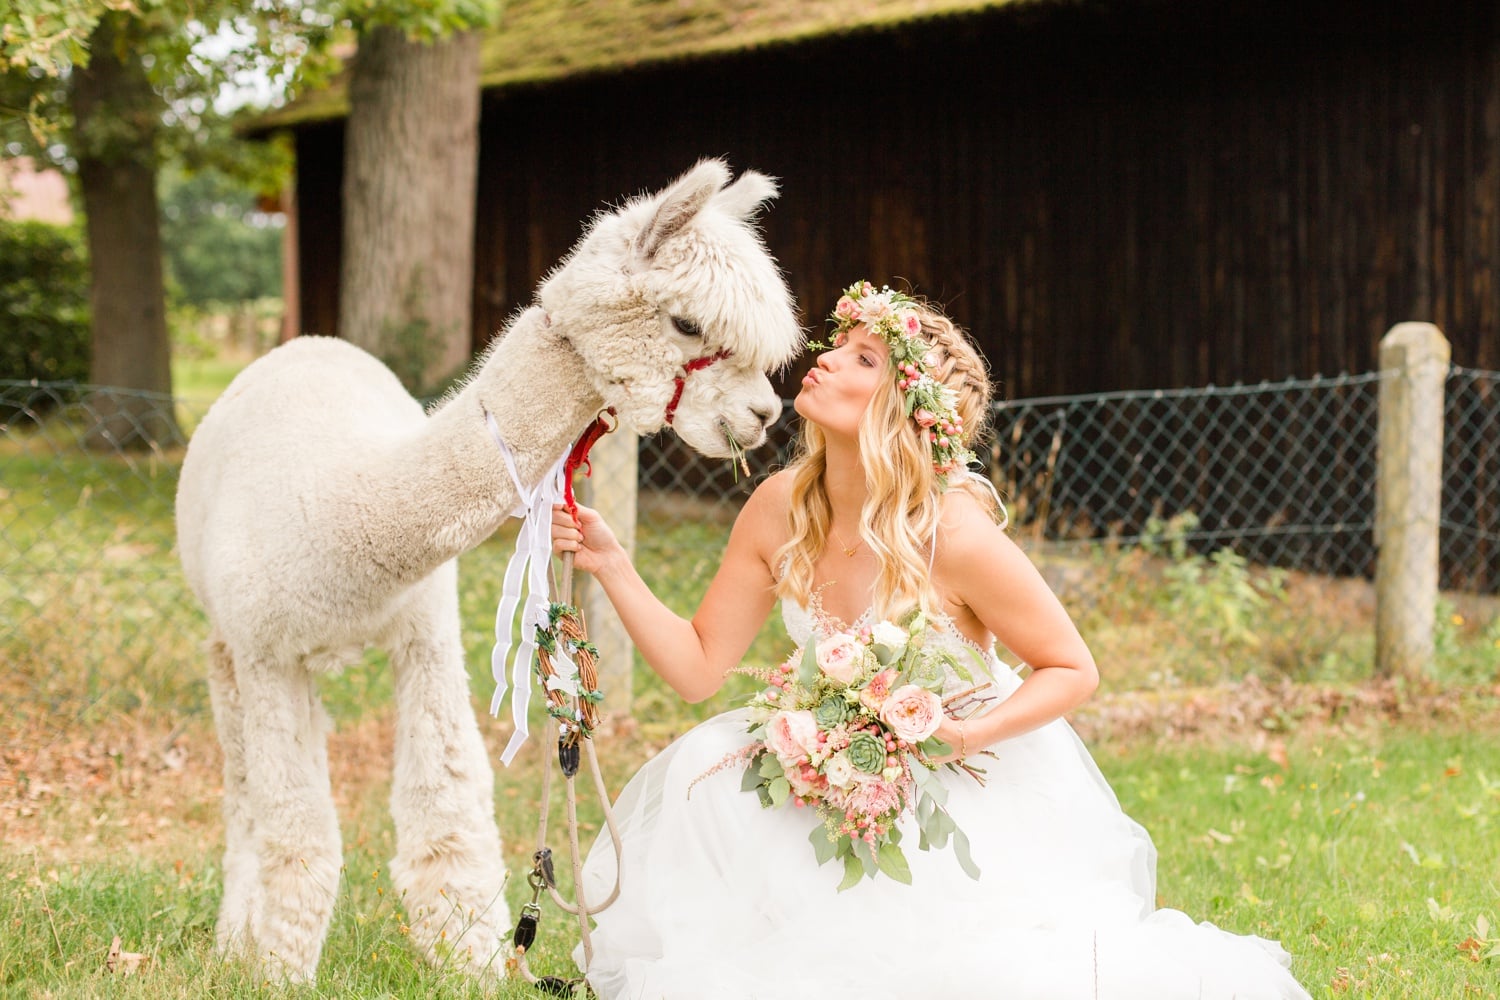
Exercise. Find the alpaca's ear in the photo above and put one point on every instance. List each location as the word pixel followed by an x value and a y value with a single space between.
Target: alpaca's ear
pixel 744 198
pixel 679 204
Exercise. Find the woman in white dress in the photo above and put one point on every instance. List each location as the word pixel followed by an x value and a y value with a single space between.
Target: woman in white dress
pixel 878 514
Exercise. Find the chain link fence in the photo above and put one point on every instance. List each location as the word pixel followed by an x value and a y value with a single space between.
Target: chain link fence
pixel 1223 486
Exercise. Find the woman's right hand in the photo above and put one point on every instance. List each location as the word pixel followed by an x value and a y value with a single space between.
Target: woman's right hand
pixel 590 539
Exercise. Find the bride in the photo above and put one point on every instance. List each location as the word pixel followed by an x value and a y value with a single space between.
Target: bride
pixel 878 515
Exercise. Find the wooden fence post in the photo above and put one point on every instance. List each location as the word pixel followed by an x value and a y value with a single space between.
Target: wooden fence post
pixel 611 490
pixel 1408 496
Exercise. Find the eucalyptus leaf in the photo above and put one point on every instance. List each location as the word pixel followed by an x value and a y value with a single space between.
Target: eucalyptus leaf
pixel 925 808
pixel 934 747
pixel 808 674
pixel 780 789
pixel 770 766
pixel 823 849
pixel 853 872
pixel 893 863
pixel 961 850
pixel 751 779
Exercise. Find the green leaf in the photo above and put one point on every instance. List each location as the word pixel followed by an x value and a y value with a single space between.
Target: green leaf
pixel 853 872
pixel 824 849
pixel 929 784
pixel 893 863
pixel 779 790
pixel 751 780
pixel 770 766
pixel 961 851
pixel 808 673
pixel 934 747
pixel 925 808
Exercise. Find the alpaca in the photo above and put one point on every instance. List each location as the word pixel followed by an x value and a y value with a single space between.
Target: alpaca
pixel 320 511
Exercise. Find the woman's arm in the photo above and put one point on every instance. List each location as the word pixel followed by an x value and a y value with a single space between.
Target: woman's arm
pixel 692 656
pixel 987 572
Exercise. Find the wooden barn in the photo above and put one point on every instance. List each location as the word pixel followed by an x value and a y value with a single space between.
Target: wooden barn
pixel 1110 193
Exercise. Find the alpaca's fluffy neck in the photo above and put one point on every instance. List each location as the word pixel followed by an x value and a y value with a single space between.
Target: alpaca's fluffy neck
pixel 451 479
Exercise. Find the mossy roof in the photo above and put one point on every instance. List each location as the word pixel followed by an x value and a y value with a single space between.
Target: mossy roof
pixel 536 41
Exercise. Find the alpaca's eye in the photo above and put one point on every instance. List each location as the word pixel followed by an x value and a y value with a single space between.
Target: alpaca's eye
pixel 686 327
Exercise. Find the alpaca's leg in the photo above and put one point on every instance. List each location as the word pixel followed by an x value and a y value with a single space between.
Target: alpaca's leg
pixel 448 865
pixel 296 835
pixel 241 867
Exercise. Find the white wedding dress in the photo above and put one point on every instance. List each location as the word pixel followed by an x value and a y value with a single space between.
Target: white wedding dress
pixel 722 899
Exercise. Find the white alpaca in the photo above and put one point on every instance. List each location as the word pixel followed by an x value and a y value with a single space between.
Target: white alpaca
pixel 320 511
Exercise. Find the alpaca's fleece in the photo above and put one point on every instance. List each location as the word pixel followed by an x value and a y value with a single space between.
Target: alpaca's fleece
pixel 320 511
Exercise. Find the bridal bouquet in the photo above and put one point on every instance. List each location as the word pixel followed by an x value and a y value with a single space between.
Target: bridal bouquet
pixel 845 726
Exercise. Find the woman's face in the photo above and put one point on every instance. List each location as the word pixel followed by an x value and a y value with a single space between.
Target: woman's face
pixel 837 391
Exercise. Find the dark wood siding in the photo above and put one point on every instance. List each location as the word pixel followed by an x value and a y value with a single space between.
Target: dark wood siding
pixel 1139 195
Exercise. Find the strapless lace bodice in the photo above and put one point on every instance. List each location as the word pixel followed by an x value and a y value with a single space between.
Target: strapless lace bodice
pixel 803 623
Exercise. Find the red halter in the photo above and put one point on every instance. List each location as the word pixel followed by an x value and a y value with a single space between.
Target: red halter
pixel 681 381
pixel 578 458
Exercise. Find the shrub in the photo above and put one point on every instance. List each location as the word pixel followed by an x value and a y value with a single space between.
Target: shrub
pixel 44 303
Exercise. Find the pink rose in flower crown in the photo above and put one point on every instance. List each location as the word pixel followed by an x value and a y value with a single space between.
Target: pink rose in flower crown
pixel 913 713
pixel 792 735
pixel 847 308
pixel 924 418
pixel 839 657
pixel 911 324
pixel 878 690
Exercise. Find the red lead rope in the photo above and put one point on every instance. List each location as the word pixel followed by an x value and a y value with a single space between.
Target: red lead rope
pixel 579 458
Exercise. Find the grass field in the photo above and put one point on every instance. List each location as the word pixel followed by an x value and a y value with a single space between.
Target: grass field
pixel 1289 796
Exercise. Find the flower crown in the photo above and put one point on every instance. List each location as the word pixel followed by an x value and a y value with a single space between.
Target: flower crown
pixel 933 407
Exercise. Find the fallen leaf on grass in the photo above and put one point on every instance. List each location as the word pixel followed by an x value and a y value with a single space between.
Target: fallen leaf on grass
pixel 124 962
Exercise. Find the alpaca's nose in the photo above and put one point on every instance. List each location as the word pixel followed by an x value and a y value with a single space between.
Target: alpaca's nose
pixel 764 414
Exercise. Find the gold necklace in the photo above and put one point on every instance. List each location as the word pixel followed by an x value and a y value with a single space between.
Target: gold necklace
pixel 849 550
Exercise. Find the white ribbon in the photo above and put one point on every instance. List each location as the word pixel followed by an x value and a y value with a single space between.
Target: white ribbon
pixel 527 566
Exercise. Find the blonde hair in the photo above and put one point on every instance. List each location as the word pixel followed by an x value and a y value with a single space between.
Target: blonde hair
pixel 900 514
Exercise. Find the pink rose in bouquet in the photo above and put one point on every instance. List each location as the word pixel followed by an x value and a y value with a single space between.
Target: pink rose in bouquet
pixel 839 656
pixel 912 713
pixel 792 735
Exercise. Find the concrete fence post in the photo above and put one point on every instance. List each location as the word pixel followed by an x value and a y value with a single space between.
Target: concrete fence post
pixel 611 489
pixel 1408 497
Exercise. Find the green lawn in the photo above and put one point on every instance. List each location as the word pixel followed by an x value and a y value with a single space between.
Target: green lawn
pixel 1366 846
pixel 1370 856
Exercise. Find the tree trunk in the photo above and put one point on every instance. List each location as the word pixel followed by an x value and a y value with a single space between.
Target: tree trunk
pixel 116 115
pixel 410 166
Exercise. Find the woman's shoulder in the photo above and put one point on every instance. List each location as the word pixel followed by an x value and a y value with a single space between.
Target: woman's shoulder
pixel 968 529
pixel 765 511
pixel 773 493
pixel 965 509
